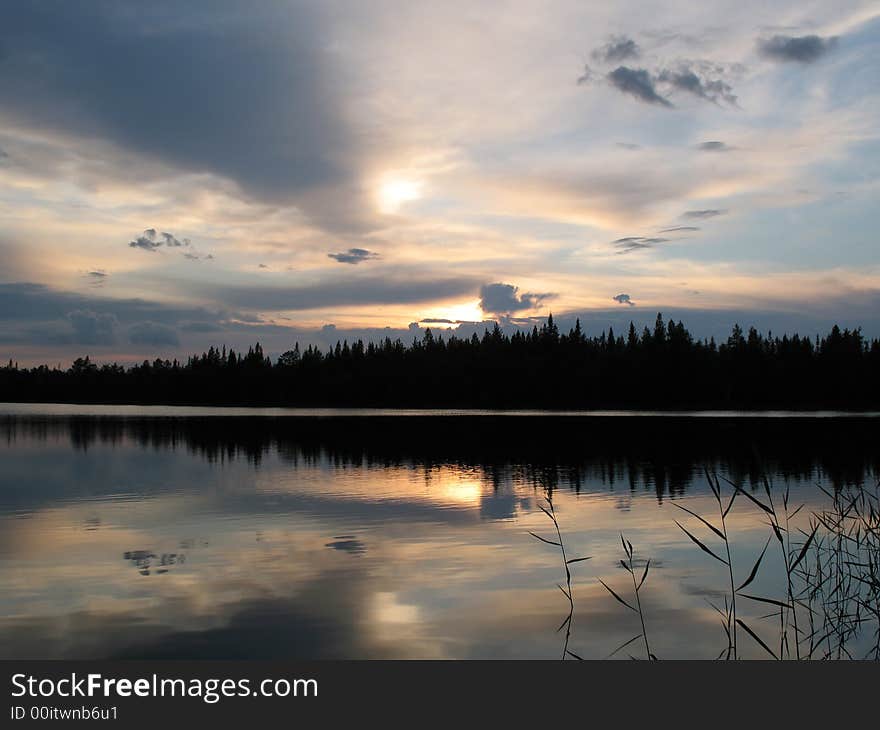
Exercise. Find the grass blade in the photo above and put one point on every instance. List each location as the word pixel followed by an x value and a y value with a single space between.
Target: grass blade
pixel 645 574
pixel 757 501
pixel 624 645
pixel 804 549
pixel 756 638
pixel 544 539
pixel 772 601
pixel 611 591
pixel 705 522
pixel 701 545
pixel 755 567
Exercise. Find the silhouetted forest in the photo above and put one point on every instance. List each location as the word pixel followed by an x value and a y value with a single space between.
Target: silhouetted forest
pixel 664 368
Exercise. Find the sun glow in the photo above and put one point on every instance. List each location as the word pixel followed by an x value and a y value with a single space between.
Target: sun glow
pixel 394 192
pixel 452 315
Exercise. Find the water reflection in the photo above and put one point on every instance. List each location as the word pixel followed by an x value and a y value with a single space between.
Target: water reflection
pixel 298 538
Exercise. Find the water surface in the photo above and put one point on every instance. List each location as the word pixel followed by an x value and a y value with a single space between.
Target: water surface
pixel 257 533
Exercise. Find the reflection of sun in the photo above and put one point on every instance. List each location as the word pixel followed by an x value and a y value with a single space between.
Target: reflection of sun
pixel 395 191
pixel 388 609
pixel 461 491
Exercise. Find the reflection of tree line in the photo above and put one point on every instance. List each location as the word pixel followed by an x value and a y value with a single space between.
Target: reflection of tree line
pixel 545 368
pixel 665 454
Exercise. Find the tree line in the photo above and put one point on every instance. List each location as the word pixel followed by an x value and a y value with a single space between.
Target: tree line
pixel 663 368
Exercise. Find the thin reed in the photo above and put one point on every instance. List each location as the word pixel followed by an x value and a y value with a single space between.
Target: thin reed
pixel 828 603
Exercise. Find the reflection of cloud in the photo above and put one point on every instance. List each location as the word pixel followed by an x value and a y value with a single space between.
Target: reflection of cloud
pixel 97 278
pixel 348 544
pixel 152 240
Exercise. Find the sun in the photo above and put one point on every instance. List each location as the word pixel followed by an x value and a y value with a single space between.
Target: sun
pixel 395 191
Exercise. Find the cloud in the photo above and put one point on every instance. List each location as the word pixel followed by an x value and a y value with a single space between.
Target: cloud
pixel 344 291
pixel 686 78
pixel 152 333
pixel 714 146
pixel 799 49
pixel 629 146
pixel 637 83
pixel 680 229
pixel 703 214
pixel 353 256
pixel 636 243
pixel 617 49
pixel 152 240
pixel 193 256
pixel 703 79
pixel 91 328
pixel 624 299
pixel 254 95
pixel 502 298
pixel 26 302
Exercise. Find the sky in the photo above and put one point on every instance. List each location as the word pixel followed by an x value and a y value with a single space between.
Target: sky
pixel 175 175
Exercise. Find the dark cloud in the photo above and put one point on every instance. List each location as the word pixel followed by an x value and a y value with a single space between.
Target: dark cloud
pixel 629 146
pixel 703 79
pixel 636 243
pixel 696 81
pixel 92 328
pixel 406 289
pixel 680 229
pixel 353 256
pixel 152 240
pixel 624 299
pixel 617 49
pixel 800 49
pixel 249 93
pixel 714 146
pixel 152 333
pixel 638 83
pixel 24 302
pixel 702 214
pixel 201 327
pixel 505 298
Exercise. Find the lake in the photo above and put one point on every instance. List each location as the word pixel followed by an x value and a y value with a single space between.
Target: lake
pixel 158 532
